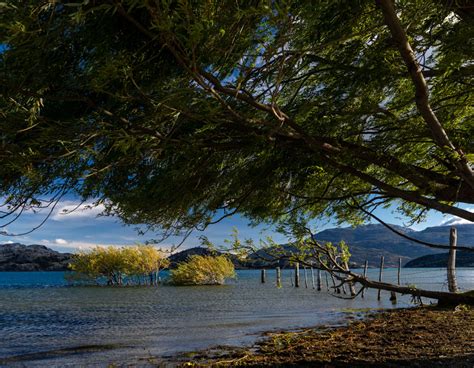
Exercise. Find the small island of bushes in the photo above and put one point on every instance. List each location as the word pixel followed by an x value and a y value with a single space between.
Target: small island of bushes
pixel 203 270
pixel 141 265
pixel 114 266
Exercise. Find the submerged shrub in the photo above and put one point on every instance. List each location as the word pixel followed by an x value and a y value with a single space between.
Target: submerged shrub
pixel 203 270
pixel 118 266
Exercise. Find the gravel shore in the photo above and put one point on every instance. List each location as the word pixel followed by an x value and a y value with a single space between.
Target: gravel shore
pixel 416 337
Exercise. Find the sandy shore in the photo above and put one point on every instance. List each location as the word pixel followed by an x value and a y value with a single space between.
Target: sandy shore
pixel 418 337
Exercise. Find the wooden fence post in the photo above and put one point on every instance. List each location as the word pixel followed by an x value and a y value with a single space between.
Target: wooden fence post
pixel 319 280
pixel 399 270
pixel 393 294
pixel 380 275
pixel 278 274
pixel 453 238
pixel 327 281
pixel 297 274
pixel 393 297
pixel 262 277
pixel 305 277
pixel 366 265
pixel 312 278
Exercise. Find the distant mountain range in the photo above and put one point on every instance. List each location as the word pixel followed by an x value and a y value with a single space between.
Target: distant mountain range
pixel 369 242
pixel 366 242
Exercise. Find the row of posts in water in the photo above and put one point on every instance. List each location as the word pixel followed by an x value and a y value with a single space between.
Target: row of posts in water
pixel 451 273
pixel 317 283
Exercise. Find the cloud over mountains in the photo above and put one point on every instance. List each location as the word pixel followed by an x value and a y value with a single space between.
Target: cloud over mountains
pixel 451 221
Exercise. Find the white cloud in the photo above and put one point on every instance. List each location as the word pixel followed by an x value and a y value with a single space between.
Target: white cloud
pixel 64 244
pixel 65 210
pixel 132 239
pixel 457 220
pixel 74 246
pixel 71 210
pixel 8 242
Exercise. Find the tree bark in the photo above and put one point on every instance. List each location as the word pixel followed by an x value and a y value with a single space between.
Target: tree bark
pixel 442 296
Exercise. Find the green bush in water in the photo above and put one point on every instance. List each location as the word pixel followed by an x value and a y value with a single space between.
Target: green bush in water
pixel 203 270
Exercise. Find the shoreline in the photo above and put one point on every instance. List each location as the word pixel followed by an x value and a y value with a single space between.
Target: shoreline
pixel 410 337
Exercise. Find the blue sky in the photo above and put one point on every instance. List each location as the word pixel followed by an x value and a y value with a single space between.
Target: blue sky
pixel 83 229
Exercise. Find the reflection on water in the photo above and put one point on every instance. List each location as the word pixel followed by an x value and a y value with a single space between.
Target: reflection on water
pixel 97 325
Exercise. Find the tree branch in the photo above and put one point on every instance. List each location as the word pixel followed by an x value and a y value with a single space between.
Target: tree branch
pixel 403 235
pixel 422 95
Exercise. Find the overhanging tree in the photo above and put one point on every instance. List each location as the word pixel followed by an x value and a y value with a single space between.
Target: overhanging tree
pixel 173 112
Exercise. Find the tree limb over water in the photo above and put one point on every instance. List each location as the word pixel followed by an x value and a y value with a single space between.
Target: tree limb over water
pixel 179 114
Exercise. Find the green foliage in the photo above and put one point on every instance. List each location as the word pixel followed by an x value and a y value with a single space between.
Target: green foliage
pixel 139 264
pixel 344 251
pixel 282 111
pixel 203 270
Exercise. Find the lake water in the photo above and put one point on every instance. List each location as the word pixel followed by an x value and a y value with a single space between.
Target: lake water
pixel 45 323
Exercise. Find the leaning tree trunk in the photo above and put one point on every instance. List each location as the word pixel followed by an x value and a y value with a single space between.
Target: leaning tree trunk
pixel 443 297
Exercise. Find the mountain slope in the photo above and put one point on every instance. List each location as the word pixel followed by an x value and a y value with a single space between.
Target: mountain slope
pixel 463 259
pixel 372 241
pixel 368 242
pixel 19 257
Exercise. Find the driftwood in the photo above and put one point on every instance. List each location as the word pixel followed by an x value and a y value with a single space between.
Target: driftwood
pixel 443 297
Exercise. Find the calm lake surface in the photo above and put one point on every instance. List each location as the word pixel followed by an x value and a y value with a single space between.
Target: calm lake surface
pixel 45 323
